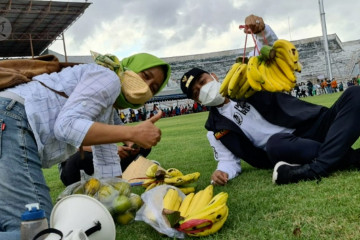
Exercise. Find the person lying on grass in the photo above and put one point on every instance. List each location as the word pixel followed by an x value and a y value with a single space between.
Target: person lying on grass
pixel 299 140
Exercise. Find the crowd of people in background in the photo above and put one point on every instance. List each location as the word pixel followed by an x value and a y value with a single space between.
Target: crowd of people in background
pixel 136 115
pixel 322 86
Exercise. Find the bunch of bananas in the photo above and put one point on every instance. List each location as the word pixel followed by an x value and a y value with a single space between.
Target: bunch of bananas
pixel 273 70
pixel 202 213
pixel 172 176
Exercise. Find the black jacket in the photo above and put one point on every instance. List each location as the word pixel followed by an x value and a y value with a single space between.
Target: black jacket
pixel 277 108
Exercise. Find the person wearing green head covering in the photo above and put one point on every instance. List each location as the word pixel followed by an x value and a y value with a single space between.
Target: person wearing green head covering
pixel 45 121
pixel 135 73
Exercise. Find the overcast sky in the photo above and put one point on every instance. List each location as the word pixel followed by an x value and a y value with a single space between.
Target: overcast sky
pixel 168 28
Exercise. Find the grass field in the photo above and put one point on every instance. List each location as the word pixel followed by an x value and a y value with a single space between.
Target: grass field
pixel 328 209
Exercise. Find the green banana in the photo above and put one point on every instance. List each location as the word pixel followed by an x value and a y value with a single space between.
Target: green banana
pixel 267 52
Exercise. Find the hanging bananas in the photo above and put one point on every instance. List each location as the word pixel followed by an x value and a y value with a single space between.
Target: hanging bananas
pixel 273 70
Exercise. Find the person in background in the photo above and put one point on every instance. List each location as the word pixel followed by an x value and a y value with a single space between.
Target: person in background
pixel 341 87
pixel 298 140
pixel 334 85
pixel 41 127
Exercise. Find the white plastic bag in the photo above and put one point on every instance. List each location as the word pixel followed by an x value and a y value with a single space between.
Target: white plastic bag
pixel 151 210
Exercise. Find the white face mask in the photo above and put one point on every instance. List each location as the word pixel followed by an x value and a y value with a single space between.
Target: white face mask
pixel 209 94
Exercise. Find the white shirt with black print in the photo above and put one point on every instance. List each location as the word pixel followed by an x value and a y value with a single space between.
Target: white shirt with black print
pixel 254 126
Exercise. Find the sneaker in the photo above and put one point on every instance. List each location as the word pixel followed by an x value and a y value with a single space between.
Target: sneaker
pixel 285 173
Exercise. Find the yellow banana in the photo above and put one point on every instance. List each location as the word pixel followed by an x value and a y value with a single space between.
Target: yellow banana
pixel 187 190
pixel 147 182
pixel 281 77
pixel 171 200
pixel 180 180
pixel 174 172
pixel 249 93
pixel 237 80
pixel 281 80
pixel 219 199
pixel 91 186
pixel 282 53
pixel 203 201
pixel 151 186
pixel 211 216
pixel 225 83
pixel 279 86
pixel 253 75
pixel 184 206
pixel 194 202
pixel 151 170
pixel 267 85
pixel 290 49
pixel 285 68
pixel 177 203
pixel 215 227
pixel 244 88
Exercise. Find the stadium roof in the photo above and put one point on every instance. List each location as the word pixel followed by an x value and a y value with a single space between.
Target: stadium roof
pixel 35 25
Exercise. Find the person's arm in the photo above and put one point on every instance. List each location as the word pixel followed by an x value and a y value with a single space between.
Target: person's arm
pixel 261 31
pixel 145 134
pixel 228 164
pixel 85 118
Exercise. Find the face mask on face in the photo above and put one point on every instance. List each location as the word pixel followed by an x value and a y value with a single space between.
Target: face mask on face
pixel 135 90
pixel 209 94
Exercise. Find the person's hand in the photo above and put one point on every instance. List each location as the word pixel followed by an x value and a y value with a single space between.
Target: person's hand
pixel 124 151
pixel 255 23
pixel 219 178
pixel 148 134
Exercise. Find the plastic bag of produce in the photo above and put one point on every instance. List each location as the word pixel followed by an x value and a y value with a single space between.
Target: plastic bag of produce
pixel 114 193
pixel 151 211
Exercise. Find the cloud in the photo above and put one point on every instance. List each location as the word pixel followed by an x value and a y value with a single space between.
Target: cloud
pixel 174 28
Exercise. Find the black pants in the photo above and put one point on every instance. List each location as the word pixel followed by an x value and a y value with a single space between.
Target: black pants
pixel 327 145
pixel 70 169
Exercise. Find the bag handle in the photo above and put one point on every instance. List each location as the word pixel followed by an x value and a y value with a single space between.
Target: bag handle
pixel 247 28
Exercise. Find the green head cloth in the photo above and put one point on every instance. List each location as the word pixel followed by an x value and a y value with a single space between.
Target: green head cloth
pixel 136 63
